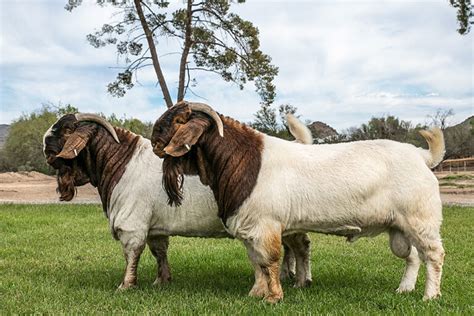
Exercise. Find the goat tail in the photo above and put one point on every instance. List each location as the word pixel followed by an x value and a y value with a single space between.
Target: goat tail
pixel 435 139
pixel 300 132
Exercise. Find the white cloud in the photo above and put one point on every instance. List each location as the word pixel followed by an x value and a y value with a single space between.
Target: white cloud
pixel 340 62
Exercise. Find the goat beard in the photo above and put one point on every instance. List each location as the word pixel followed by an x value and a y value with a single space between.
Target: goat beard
pixel 66 187
pixel 173 180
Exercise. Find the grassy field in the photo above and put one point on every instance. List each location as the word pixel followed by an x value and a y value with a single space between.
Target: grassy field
pixel 62 259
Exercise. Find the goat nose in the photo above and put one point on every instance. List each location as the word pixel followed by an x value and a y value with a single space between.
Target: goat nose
pixel 159 152
pixel 155 145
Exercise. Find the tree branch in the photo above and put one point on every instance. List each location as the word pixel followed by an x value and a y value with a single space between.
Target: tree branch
pixel 162 24
pixel 154 56
pixel 223 25
pixel 188 78
pixel 191 90
pixel 184 56
pixel 204 69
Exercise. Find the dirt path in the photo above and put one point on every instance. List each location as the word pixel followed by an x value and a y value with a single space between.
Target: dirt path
pixel 456 188
pixel 37 188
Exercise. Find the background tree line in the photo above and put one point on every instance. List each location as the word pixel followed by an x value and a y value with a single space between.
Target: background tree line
pixel 213 39
pixel 23 148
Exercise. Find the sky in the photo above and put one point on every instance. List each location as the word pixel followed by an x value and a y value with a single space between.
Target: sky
pixel 340 62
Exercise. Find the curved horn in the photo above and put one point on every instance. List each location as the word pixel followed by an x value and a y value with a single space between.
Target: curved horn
pixel 89 117
pixel 204 108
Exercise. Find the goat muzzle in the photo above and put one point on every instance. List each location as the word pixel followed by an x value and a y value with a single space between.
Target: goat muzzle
pixel 159 152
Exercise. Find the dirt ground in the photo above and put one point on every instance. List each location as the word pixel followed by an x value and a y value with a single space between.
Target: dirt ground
pixel 37 188
pixel 456 188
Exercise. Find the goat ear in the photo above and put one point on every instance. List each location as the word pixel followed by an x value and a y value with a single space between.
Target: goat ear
pixel 76 142
pixel 186 136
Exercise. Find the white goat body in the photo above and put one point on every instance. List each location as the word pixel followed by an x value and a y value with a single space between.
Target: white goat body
pixel 196 217
pixel 350 189
pixel 138 211
pixel 353 189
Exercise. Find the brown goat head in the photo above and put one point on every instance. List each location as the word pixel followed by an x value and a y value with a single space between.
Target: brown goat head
pixel 181 126
pixel 64 143
pixel 174 135
pixel 188 137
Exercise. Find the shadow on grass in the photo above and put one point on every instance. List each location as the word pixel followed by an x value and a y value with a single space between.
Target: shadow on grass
pixel 106 278
pixel 217 279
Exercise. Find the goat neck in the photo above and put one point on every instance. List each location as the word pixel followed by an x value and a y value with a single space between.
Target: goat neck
pixel 105 160
pixel 231 163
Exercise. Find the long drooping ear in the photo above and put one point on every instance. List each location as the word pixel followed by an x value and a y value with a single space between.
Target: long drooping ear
pixel 186 136
pixel 76 142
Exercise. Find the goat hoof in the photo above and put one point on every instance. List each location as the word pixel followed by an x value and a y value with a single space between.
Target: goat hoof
pixel 305 283
pixel 123 287
pixel 290 275
pixel 405 289
pixel 274 298
pixel 257 292
pixel 428 297
pixel 161 281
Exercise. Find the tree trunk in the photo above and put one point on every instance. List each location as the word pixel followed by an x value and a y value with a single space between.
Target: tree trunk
pixel 184 55
pixel 154 56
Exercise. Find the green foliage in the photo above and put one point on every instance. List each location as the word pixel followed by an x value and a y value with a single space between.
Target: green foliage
pixel 266 120
pixel 23 150
pixel 217 40
pixel 459 140
pixel 132 124
pixel 387 127
pixel 61 259
pixel 464 15
pixel 457 177
pixel 285 109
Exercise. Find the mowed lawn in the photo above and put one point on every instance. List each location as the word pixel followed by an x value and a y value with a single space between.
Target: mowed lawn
pixel 62 259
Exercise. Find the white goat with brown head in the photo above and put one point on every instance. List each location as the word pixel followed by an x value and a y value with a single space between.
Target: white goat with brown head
pixel 266 187
pixel 85 148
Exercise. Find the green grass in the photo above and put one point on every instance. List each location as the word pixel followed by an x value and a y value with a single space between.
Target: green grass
pixel 456 185
pixel 62 259
pixel 458 177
